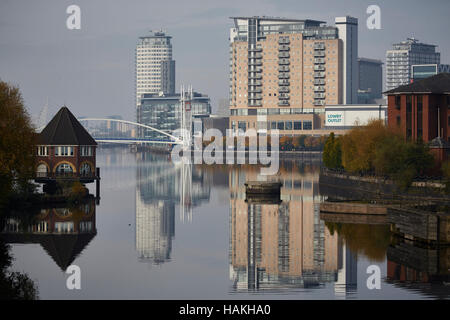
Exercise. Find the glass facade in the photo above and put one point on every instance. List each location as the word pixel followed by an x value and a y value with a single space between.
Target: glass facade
pixel 163 113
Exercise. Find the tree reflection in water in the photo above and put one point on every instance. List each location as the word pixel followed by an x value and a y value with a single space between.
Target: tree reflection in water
pixel 14 285
pixel 371 240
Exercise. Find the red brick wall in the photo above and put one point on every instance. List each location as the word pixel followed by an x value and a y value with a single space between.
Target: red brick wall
pixel 429 116
pixel 76 160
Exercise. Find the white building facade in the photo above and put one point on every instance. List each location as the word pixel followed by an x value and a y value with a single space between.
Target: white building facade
pixel 405 54
pixel 155 68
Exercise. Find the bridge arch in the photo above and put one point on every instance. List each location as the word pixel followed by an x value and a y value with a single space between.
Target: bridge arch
pixel 177 140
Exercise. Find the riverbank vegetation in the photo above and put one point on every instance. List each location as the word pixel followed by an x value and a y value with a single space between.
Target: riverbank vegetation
pixel 17 141
pixel 376 150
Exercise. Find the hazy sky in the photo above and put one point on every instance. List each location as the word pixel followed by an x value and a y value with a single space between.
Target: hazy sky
pixel 92 70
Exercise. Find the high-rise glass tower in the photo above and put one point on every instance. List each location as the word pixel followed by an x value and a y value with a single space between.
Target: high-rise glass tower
pixel 155 69
pixel 405 54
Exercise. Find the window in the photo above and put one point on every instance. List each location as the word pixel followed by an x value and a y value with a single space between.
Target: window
pixel 86 151
pixel 64 168
pixel 408 117
pixel 307 125
pixel 64 151
pixel 397 102
pixel 297 125
pixel 273 125
pixel 288 125
pixel 280 125
pixel 398 121
pixel 42 151
pixel 85 169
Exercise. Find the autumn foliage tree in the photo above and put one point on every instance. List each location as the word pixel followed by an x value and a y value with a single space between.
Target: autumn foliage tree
pixel 377 150
pixel 332 153
pixel 17 141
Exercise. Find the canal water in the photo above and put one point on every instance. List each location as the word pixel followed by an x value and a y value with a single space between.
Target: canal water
pixel 166 231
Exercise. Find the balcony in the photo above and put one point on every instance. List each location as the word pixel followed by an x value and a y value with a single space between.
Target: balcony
pixel 283 69
pixel 254 69
pixel 283 48
pixel 283 89
pixel 319 46
pixel 284 40
pixel 283 103
pixel 255 97
pixel 255 55
pixel 254 83
pixel 283 96
pixel 319 68
pixel 319 54
pixel 283 62
pixel 319 95
pixel 254 90
pixel 319 89
pixel 254 62
pixel 319 102
pixel 283 75
pixel 255 76
pixel 255 49
pixel 319 74
pixel 254 103
pixel 283 55
pixel 283 82
pixel 319 60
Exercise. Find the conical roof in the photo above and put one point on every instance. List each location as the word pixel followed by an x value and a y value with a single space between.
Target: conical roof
pixel 65 129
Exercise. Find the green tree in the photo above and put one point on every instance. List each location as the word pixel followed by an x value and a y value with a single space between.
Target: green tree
pixel 17 143
pixel 332 153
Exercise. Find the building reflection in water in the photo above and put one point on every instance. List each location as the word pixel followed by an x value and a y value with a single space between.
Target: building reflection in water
pixel 276 246
pixel 63 232
pixel 160 186
pixel 420 268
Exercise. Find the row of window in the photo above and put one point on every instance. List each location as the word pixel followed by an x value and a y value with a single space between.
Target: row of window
pixel 273 125
pixel 65 151
pixel 275 111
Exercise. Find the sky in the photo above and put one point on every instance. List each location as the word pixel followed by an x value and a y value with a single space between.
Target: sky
pixel 91 70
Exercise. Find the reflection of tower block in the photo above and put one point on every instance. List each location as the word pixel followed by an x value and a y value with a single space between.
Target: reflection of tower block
pixel 186 116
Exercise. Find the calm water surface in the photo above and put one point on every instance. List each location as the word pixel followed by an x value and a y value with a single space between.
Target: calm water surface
pixel 163 231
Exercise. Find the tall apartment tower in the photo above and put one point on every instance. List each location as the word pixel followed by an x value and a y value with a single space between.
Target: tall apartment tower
pixel 282 73
pixel 155 69
pixel 405 54
pixel 348 33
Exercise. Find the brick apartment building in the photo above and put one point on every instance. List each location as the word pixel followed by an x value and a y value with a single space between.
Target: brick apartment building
pixel 421 110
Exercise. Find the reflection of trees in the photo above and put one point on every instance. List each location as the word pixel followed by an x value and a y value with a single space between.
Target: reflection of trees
pixel 14 285
pixel 367 239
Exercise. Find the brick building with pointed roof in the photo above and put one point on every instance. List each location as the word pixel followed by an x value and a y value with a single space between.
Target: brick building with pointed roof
pixel 65 149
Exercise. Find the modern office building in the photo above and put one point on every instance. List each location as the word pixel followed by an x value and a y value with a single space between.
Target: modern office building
pixel 163 112
pixel 370 80
pixel 405 54
pixel 284 71
pixel 422 71
pixel 155 68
